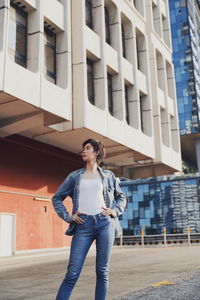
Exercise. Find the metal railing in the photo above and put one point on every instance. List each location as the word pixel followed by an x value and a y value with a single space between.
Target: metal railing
pixel 159 239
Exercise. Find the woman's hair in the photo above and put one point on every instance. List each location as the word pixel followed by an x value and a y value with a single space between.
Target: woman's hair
pixel 98 147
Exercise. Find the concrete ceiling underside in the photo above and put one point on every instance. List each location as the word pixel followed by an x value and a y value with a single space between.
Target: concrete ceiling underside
pixel 20 117
pixel 188 148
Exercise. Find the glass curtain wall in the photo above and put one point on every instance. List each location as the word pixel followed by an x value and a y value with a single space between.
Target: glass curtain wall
pixel 185 59
pixel 172 202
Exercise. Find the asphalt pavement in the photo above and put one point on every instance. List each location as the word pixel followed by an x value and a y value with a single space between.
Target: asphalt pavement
pixel 133 271
pixel 186 288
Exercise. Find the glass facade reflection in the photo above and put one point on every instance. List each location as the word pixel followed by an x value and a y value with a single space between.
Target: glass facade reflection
pixel 169 201
pixel 185 18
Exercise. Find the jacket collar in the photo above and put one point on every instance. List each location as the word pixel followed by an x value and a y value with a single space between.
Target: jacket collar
pixel 100 171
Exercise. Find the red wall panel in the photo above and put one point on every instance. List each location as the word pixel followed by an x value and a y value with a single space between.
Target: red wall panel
pixel 34 168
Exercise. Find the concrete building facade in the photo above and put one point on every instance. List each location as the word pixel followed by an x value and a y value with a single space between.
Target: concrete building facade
pixel 46 96
pixel 70 70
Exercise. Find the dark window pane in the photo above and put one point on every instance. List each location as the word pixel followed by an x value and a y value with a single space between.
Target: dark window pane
pixel 49 57
pixel 107 26
pixel 21 40
pixel 88 13
pixel 50 54
pixel 141 112
pixel 138 56
pixel 90 80
pixel 110 94
pixel 50 37
pixel 17 38
pixel 123 42
pixel 126 104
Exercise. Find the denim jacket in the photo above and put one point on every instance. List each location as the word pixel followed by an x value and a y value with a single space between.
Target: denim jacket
pixel 113 196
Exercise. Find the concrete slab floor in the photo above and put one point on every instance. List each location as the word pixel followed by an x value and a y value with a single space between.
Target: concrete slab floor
pixel 38 276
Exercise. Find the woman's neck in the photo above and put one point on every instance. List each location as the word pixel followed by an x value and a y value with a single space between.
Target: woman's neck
pixel 91 171
pixel 91 167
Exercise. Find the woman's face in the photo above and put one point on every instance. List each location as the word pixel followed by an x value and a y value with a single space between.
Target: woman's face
pixel 88 153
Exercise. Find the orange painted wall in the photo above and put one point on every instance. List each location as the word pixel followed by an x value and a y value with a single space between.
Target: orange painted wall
pixel 34 168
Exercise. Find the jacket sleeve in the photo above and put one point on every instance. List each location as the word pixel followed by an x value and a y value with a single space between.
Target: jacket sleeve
pixel 66 189
pixel 120 199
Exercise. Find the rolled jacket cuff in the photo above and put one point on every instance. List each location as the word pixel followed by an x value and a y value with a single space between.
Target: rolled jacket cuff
pixel 114 213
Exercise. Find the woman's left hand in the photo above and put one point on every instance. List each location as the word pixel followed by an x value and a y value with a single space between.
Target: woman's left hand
pixel 107 211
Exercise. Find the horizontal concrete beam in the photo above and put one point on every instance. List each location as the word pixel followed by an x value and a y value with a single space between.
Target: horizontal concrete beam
pixel 21 123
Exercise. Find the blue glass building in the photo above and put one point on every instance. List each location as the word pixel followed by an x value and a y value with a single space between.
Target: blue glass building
pixel 185 24
pixel 186 64
pixel 168 201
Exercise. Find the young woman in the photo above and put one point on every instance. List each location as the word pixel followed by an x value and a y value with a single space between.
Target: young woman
pixel 97 202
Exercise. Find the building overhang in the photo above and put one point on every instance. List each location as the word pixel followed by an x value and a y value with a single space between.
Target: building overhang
pixel 21 118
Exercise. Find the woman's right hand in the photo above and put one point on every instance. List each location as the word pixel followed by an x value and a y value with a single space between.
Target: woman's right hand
pixel 76 218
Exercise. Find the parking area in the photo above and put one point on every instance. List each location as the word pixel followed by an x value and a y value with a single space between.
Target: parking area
pixel 37 276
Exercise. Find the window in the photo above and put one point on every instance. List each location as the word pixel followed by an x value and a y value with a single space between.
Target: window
pixel 164 126
pixel 126 103
pixel 88 13
pixel 141 52
pixel 170 80
pixel 107 26
pixel 142 112
pixel 17 40
pixel 166 30
pixel 110 94
pixel 123 42
pixel 138 56
pixel 90 81
pixel 160 70
pixel 50 54
pixel 139 5
pixel 156 18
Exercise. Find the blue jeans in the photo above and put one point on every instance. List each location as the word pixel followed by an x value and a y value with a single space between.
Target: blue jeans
pixel 101 229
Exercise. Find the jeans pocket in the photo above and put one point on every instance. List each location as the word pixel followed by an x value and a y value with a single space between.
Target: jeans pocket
pixel 103 217
pixel 84 218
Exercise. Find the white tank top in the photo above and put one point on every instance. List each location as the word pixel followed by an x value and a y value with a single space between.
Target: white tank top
pixel 91 198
